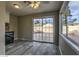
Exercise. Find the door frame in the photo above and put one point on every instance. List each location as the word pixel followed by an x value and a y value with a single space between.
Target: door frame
pixel 42 34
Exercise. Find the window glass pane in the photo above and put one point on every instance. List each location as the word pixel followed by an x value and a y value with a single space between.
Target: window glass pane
pixel 73 21
pixel 63 24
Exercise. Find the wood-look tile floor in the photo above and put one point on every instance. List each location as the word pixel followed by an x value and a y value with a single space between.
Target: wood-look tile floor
pixel 31 48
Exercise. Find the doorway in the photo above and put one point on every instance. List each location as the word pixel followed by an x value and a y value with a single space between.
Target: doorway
pixel 43 29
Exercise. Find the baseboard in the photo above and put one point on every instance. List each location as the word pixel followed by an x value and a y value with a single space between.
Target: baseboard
pixel 25 39
pixel 43 42
pixel 15 38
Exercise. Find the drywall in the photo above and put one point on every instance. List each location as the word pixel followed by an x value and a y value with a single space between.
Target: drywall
pixel 25 24
pixel 13 22
pixel 25 28
pixel 4 17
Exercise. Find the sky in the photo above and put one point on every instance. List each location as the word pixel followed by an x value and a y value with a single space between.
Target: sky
pixel 74 9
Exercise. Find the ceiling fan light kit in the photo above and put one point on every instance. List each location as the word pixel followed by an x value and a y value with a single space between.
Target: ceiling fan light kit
pixel 16 6
pixel 33 4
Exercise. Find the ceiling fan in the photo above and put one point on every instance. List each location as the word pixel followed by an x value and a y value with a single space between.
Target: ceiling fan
pixel 32 4
pixel 35 4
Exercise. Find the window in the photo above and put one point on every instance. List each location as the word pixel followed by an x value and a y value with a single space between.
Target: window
pixel 70 21
pixel 73 21
pixel 64 24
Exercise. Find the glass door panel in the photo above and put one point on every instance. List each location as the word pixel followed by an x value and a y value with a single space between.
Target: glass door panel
pixel 43 29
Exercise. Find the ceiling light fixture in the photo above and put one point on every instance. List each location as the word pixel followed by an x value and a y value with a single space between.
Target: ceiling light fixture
pixel 33 4
pixel 16 6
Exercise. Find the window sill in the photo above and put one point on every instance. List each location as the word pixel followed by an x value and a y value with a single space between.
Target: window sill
pixel 70 43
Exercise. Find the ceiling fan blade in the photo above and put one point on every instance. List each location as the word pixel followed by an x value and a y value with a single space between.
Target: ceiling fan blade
pixel 45 2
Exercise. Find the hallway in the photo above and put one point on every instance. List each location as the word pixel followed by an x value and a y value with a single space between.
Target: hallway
pixel 31 48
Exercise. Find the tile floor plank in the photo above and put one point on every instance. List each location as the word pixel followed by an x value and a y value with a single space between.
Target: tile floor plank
pixel 31 48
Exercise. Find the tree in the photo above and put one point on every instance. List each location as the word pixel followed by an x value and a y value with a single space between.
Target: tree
pixel 73 21
pixel 37 22
pixel 65 22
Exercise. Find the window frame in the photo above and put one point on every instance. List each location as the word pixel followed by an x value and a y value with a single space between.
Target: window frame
pixel 66 35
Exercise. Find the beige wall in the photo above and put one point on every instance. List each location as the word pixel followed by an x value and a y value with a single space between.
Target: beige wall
pixel 25 24
pixel 14 26
pixel 4 17
pixel 25 28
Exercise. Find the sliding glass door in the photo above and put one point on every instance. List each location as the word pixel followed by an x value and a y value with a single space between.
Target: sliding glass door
pixel 43 29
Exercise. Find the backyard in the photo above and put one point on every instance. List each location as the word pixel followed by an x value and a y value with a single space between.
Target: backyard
pixel 43 31
pixel 73 32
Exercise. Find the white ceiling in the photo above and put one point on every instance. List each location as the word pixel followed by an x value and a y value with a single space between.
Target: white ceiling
pixel 24 10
